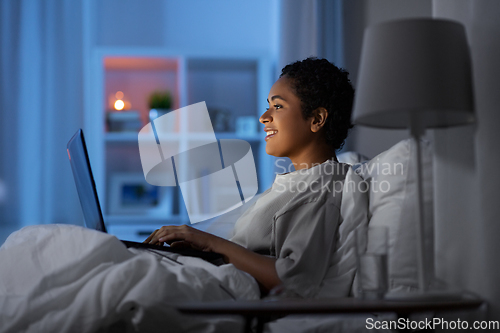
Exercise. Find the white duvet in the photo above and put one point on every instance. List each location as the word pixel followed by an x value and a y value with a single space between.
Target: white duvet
pixel 63 278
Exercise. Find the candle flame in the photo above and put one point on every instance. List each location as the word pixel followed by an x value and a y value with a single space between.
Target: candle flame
pixel 119 105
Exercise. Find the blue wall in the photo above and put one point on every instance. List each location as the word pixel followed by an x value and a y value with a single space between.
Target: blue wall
pixel 199 25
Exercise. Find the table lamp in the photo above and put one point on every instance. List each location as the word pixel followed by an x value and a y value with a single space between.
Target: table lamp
pixel 416 74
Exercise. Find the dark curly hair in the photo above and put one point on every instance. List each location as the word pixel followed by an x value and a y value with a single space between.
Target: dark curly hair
pixel 319 83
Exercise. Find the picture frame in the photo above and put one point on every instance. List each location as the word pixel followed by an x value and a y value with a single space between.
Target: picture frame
pixel 130 194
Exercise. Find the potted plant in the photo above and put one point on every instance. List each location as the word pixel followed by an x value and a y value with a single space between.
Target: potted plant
pixel 160 99
pixel 160 103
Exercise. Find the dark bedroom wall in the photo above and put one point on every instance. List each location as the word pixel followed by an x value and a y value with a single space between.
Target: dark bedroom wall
pixel 466 165
pixel 359 14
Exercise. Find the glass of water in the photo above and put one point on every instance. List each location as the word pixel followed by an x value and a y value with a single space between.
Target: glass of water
pixel 371 256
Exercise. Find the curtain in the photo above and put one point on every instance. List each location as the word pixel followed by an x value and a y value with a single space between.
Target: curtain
pixel 310 28
pixel 41 101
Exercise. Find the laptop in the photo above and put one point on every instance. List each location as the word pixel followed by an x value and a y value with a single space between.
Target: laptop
pixel 92 213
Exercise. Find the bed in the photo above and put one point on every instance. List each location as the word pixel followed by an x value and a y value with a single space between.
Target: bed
pixel 62 278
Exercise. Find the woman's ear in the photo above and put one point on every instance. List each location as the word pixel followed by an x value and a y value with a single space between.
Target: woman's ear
pixel 318 119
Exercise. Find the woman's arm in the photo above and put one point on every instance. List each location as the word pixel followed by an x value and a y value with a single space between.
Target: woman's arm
pixel 262 268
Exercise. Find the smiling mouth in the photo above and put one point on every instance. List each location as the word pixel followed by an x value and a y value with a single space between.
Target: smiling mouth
pixel 270 134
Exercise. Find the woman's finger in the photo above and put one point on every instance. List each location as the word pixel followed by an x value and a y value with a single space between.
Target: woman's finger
pixel 172 236
pixel 180 245
pixel 150 236
pixel 164 233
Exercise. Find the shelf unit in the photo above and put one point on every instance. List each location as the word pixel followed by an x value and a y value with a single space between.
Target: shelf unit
pixel 238 83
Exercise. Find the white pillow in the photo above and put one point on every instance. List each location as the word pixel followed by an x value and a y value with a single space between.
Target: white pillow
pixel 392 203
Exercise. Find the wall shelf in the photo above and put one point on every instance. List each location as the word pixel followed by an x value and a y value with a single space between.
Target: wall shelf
pixel 233 82
pixel 131 137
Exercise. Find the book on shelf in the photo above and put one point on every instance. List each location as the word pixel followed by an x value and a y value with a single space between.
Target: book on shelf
pixel 124 121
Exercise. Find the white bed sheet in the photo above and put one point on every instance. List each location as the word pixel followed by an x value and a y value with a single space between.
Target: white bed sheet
pixel 63 278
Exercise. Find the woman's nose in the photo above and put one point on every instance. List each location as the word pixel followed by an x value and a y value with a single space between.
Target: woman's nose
pixel 266 117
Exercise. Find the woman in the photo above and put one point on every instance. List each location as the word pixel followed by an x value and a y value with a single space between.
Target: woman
pixel 297 234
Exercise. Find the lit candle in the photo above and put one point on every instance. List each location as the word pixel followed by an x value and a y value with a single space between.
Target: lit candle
pixel 119 104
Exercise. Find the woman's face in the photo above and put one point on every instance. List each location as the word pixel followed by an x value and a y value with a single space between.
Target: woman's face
pixel 287 132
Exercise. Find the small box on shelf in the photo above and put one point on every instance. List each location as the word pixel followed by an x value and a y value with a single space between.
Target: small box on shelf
pixel 124 121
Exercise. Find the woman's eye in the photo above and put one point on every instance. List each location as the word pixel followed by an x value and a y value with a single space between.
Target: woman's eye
pixel 275 106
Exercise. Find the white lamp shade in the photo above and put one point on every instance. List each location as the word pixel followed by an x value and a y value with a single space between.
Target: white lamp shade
pixel 414 70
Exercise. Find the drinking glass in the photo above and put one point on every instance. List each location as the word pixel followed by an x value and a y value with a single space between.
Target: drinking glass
pixel 371 256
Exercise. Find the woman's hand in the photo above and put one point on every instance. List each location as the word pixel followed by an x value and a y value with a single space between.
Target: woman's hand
pixel 180 236
pixel 262 268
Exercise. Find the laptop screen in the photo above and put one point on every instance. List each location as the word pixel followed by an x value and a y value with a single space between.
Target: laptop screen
pixel 84 180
